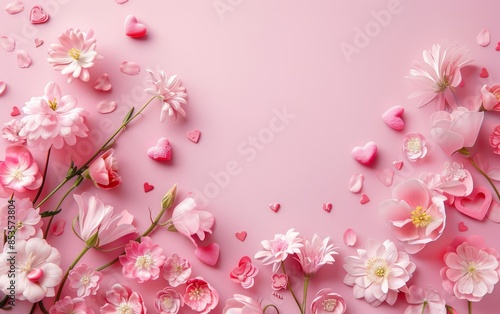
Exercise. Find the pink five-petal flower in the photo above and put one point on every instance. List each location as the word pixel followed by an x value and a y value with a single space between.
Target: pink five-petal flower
pixel 313 255
pixel 53 120
pixel 414 146
pixel 378 273
pixel 277 250
pixel 121 299
pixel 244 273
pixel 241 304
pixel 11 132
pixel 326 301
pixel 456 130
pixel 454 180
pixel 200 295
pixel 143 260
pixel 472 269
pixel 427 301
pixel 27 219
pixel 171 93
pixel 176 270
pixel 189 220
pixel 84 280
pixel 168 301
pixel 415 215
pixel 495 140
pixel 490 97
pixel 103 171
pixel 19 171
pixel 71 306
pixel 74 54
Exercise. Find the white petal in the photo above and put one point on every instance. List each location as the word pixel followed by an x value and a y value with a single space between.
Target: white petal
pixel 350 237
pixel 14 7
pixel 356 182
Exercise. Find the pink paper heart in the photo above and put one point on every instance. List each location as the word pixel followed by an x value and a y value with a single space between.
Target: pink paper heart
pixel 364 199
pixel 130 68
pixel 275 207
pixel 327 207
pixel 106 106
pixel 280 281
pixel 476 204
pixel 365 155
pixel 397 164
pixel 133 28
pixel 242 235
pixel 3 86
pixel 15 111
pixel 385 176
pixel 148 187
pixel 393 118
pixel 38 15
pixel 7 43
pixel 462 227
pixel 194 136
pixel 356 182
pixel 484 73
pixel 38 42
pixel 23 59
pixel 103 83
pixel 208 254
pixel 162 151
pixel 14 7
pixel 483 39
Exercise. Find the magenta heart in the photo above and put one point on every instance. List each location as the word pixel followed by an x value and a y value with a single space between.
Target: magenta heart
pixel 275 207
pixel 208 254
pixel 476 204
pixel 397 164
pixel 162 151
pixel 462 227
pixel 133 28
pixel 365 155
pixel 194 136
pixel 15 111
pixel 393 118
pixel 38 15
pixel 364 199
pixel 148 187
pixel 242 235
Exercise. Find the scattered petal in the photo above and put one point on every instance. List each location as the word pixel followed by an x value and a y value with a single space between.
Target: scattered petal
pixel 385 176
pixel 494 212
pixel 3 86
pixel 57 227
pixel 14 7
pixel 484 73
pixel 38 42
pixel 350 237
pixel 364 199
pixel 356 182
pixel 483 39
pixel 106 106
pixel 398 164
pixel 103 83
pixel 7 43
pixel 23 59
pixel 208 254
pixel 130 68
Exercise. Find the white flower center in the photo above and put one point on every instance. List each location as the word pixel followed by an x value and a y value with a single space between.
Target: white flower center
pixel 124 308
pixel 17 174
pixel 167 303
pixel 144 261
pixel 74 53
pixel 329 305
pixel 377 269
pixel 85 280
pixel 279 245
pixel 413 145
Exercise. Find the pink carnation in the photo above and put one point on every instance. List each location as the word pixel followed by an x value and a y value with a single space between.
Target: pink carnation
pixel 143 260
pixel 200 295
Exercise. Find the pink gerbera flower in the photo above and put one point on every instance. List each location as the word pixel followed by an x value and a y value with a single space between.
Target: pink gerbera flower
pixel 313 255
pixel 277 250
pixel 84 280
pixel 121 299
pixel 427 301
pixel 171 93
pixel 200 295
pixel 28 219
pixel 143 260
pixel 71 306
pixel 19 171
pixel 176 270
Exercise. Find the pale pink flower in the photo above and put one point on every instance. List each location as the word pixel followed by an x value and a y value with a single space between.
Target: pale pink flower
pixel 121 299
pixel 378 272
pixel 19 171
pixel 143 260
pixel 168 301
pixel 439 74
pixel 53 119
pixel 11 130
pixel 37 270
pixel 456 130
pixel 414 146
pixel 490 96
pixel 326 301
pixel 454 180
pixel 277 250
pixel 189 220
pixel 427 301
pixel 71 306
pixel 27 219
pixel 171 93
pixel 244 273
pixel 472 269
pixel 176 270
pixel 415 214
pixel 103 171
pixel 313 255
pixel 200 295
pixel 241 304
pixel 495 140
pixel 74 54
pixel 84 280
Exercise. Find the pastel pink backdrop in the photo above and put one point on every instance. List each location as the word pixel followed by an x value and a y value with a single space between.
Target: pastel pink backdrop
pixel 240 67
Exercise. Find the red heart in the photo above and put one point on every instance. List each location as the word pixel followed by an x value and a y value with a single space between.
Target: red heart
pixel 462 227
pixel 275 207
pixel 327 207
pixel 15 111
pixel 242 235
pixel 476 204
pixel 208 254
pixel 162 151
pixel 38 15
pixel 484 73
pixel 148 187
pixel 193 136
pixel 133 28
pixel 497 48
pixel 364 199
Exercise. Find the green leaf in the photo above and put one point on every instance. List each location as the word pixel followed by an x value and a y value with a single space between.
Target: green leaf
pixel 128 116
pixel 52 213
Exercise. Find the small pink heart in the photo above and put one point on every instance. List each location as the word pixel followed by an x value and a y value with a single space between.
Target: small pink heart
pixel 364 199
pixel 103 83
pixel 275 207
pixel 462 227
pixel 397 164
pixel 280 281
pixel 497 48
pixel 194 136
pixel 35 274
pixel 484 73
pixel 38 15
pixel 208 254
pixel 242 235
pixel 38 42
pixel 365 155
pixel 327 207
pixel 162 151
pixel 15 111
pixel 476 204
pixel 148 187
pixel 133 28
pixel 393 118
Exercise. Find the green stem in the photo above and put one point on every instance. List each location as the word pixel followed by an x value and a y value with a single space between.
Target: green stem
pixel 469 306
pixel 289 287
pixel 304 301
pixel 77 259
pixel 423 307
pixel 268 306
pixel 484 174
pixel 63 182
pixel 44 176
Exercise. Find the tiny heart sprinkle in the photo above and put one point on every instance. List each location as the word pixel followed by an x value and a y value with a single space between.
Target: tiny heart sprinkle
pixel 133 28
pixel 38 15
pixel 208 254
pixel 194 136
pixel 242 235
pixel 275 207
pixel 38 42
pixel 397 164
pixel 462 227
pixel 484 73
pixel 327 207
pixel 15 111
pixel 364 199
pixel 148 187
pixel 393 118
pixel 162 151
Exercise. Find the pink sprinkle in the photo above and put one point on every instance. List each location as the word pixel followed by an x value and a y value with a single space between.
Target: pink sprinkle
pixel 130 68
pixel 23 59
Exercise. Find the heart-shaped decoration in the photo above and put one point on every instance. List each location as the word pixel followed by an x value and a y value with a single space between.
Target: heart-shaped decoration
pixel 364 199
pixel 280 281
pixel 327 207
pixel 394 118
pixel 497 48
pixel 38 15
pixel 242 235
pixel 484 73
pixel 15 111
pixel 7 43
pixel 365 155
pixel 476 204
pixel 194 136
pixel 208 254
pixel 275 207
pixel 148 187
pixel 462 227
pixel 385 176
pixel 133 28
pixel 38 42
pixel 398 164
pixel 14 7
pixel 35 274
pixel 103 83
pixel 162 151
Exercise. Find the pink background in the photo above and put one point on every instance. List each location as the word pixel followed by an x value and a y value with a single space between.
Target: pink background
pixel 240 67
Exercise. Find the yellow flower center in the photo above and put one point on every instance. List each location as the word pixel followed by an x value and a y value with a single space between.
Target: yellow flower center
pixel 144 261
pixel 167 302
pixel 53 104
pixel 413 145
pixel 420 218
pixel 85 280
pixel 377 269
pixel 443 85
pixel 329 305
pixel 124 308
pixel 196 294
pixel 74 53
pixel 380 272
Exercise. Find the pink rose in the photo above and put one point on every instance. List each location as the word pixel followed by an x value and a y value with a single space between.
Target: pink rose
pixel 200 295
pixel 491 97
pixel 327 301
pixel 103 171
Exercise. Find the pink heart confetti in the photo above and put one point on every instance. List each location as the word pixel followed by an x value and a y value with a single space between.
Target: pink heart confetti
pixel 103 83
pixel 3 86
pixel 57 227
pixel 130 68
pixel 23 59
pixel 476 204
pixel 162 151
pixel 356 182
pixel 242 235
pixel 133 28
pixel 364 199
pixel 365 155
pixel 280 281
pixel 14 7
pixel 15 111
pixel 106 106
pixel 275 207
pixel 484 73
pixel 327 207
pixel 483 39
pixel 385 176
pixel 462 227
pixel 208 254
pixel 394 118
pixel 148 187
pixel 349 237
pixel 121 1
pixel 494 212
pixel 38 42
pixel 38 15
pixel 193 136
pixel 398 164
pixel 7 43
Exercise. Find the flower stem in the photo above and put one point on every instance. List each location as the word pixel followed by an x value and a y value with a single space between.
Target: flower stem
pixel 268 306
pixel 289 286
pixel 423 307
pixel 44 176
pixel 63 281
pixel 469 306
pixel 304 301
pixel 63 182
pixel 484 174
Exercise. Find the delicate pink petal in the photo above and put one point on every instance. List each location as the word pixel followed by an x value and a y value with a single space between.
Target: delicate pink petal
pixel 356 182
pixel 130 68
pixel 23 59
pixel 349 237
pixel 483 39
pixel 57 227
pixel 3 86
pixel 106 106
pixel 7 43
pixel 494 212
pixel 16 6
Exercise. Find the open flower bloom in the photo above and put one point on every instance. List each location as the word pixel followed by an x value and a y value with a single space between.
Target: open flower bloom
pixel 189 220
pixel 472 269
pixel 427 301
pixel 121 299
pixel 168 301
pixel 415 215
pixel 414 146
pixel 378 272
pixel 490 96
pixel 241 304
pixel 326 301
pixel 454 180
pixel 244 273
pixel 84 280
pixel 74 54
pixel 71 306
pixel 200 295
pixel 19 171
pixel 313 255
pixel 439 73
pixel 53 119
pixel 11 131
pixel 456 130
pixel 37 270
pixel 28 220
pixel 176 270
pixel 277 250
pixel 103 171
pixel 171 93
pixel 143 260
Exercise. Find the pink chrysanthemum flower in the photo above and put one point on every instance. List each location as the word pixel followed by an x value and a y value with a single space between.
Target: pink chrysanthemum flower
pixel 168 301
pixel 439 73
pixel 171 93
pixel 84 280
pixel 11 130
pixel 28 220
pixel 74 54
pixel 277 250
pixel 19 171
pixel 242 304
pixel 53 119
pixel 121 299
pixel 143 260
pixel 327 301
pixel 71 306
pixel 244 273
pixel 427 301
pixel 200 295
pixel 176 270
pixel 378 272
pixel 313 255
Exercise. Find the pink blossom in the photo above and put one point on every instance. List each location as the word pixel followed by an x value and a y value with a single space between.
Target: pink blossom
pixel 168 301
pixel 74 54
pixel 414 146
pixel 415 215
pixel 84 280
pixel 200 295
pixel 495 140
pixel 143 260
pixel 378 272
pixel 19 171
pixel 313 255
pixel 490 97
pixel 456 130
pixel 439 74
pixel 277 250
pixel 326 301
pixel 244 273
pixel 176 270
pixel 121 299
pixel 11 132
pixel 241 304
pixel 27 222
pixel 427 301
pixel 171 93
pixel 71 306
pixel 37 269
pixel 103 171
pixel 454 180
pixel 53 119
pixel 472 269
pixel 189 220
